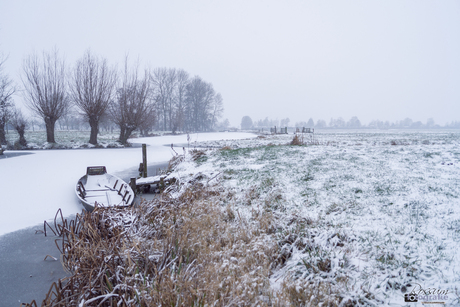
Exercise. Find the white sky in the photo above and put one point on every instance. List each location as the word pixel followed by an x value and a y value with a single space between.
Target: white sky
pixel 382 60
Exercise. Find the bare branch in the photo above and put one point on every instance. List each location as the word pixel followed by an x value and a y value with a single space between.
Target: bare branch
pixel 92 88
pixel 132 106
pixel 7 89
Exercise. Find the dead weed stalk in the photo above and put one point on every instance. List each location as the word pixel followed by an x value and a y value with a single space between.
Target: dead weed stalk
pixel 168 252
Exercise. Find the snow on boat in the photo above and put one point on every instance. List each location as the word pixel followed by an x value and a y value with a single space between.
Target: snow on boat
pixel 105 190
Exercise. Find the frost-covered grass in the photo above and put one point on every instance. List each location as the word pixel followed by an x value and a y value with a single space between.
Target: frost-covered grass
pixel 370 215
pixel 348 219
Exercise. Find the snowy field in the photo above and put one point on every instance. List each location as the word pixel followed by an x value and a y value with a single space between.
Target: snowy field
pixel 373 215
pixel 34 186
pixel 359 216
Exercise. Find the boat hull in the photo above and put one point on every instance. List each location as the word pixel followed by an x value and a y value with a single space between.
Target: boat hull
pixel 103 190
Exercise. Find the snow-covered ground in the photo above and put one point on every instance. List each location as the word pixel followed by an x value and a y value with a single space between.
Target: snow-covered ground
pixel 34 186
pixel 373 214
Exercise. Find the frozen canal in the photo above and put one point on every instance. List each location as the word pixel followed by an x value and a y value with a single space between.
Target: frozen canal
pixel 35 184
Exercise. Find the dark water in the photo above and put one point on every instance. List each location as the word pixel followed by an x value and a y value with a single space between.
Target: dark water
pixel 25 275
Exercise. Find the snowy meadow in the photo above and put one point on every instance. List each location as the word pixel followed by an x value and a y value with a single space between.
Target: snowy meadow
pixel 346 218
pixel 358 217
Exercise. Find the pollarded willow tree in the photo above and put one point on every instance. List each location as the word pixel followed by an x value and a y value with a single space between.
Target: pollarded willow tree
pixel 92 87
pixel 45 88
pixel 132 107
pixel 19 123
pixel 7 89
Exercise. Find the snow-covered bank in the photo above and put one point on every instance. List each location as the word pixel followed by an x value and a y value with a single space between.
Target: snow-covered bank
pixel 362 218
pixel 33 187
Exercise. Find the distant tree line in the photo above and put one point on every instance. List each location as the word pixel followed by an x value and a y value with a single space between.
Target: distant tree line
pixel 132 98
pixel 339 123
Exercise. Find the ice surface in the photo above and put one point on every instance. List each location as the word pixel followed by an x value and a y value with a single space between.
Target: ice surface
pixel 33 187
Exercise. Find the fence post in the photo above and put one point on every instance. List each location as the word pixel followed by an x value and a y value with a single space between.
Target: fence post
pixel 132 183
pixel 144 160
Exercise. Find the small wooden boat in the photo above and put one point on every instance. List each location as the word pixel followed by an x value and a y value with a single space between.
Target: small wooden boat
pixel 97 188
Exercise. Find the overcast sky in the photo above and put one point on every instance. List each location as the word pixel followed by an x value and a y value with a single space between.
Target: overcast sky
pixel 382 60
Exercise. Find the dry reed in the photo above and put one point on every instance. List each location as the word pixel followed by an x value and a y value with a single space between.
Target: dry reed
pixel 189 250
pixel 177 252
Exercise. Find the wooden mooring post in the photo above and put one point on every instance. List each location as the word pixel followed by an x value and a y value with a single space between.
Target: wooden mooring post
pixel 132 184
pixel 144 160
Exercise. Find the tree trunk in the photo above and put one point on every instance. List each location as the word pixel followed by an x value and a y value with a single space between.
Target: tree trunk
pixel 93 123
pixel 126 135
pixel 164 118
pixel 2 136
pixel 50 123
pixel 122 134
pixel 22 139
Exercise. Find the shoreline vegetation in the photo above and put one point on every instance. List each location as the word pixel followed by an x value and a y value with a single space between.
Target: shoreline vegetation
pixel 178 251
pixel 339 220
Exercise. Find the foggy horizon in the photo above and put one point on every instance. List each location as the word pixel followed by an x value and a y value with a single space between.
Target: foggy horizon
pixel 382 61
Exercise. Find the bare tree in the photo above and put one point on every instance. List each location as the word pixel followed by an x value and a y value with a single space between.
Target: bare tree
pixel 180 96
pixel 199 99
pixel 148 124
pixel 132 106
pixel 91 89
pixel 284 122
pixel 7 89
pixel 184 103
pixel 218 109
pixel 19 123
pixel 45 89
pixel 164 82
pixel 354 122
pixel 246 123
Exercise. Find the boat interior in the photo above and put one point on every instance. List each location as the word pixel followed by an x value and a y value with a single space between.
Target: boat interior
pixel 104 189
